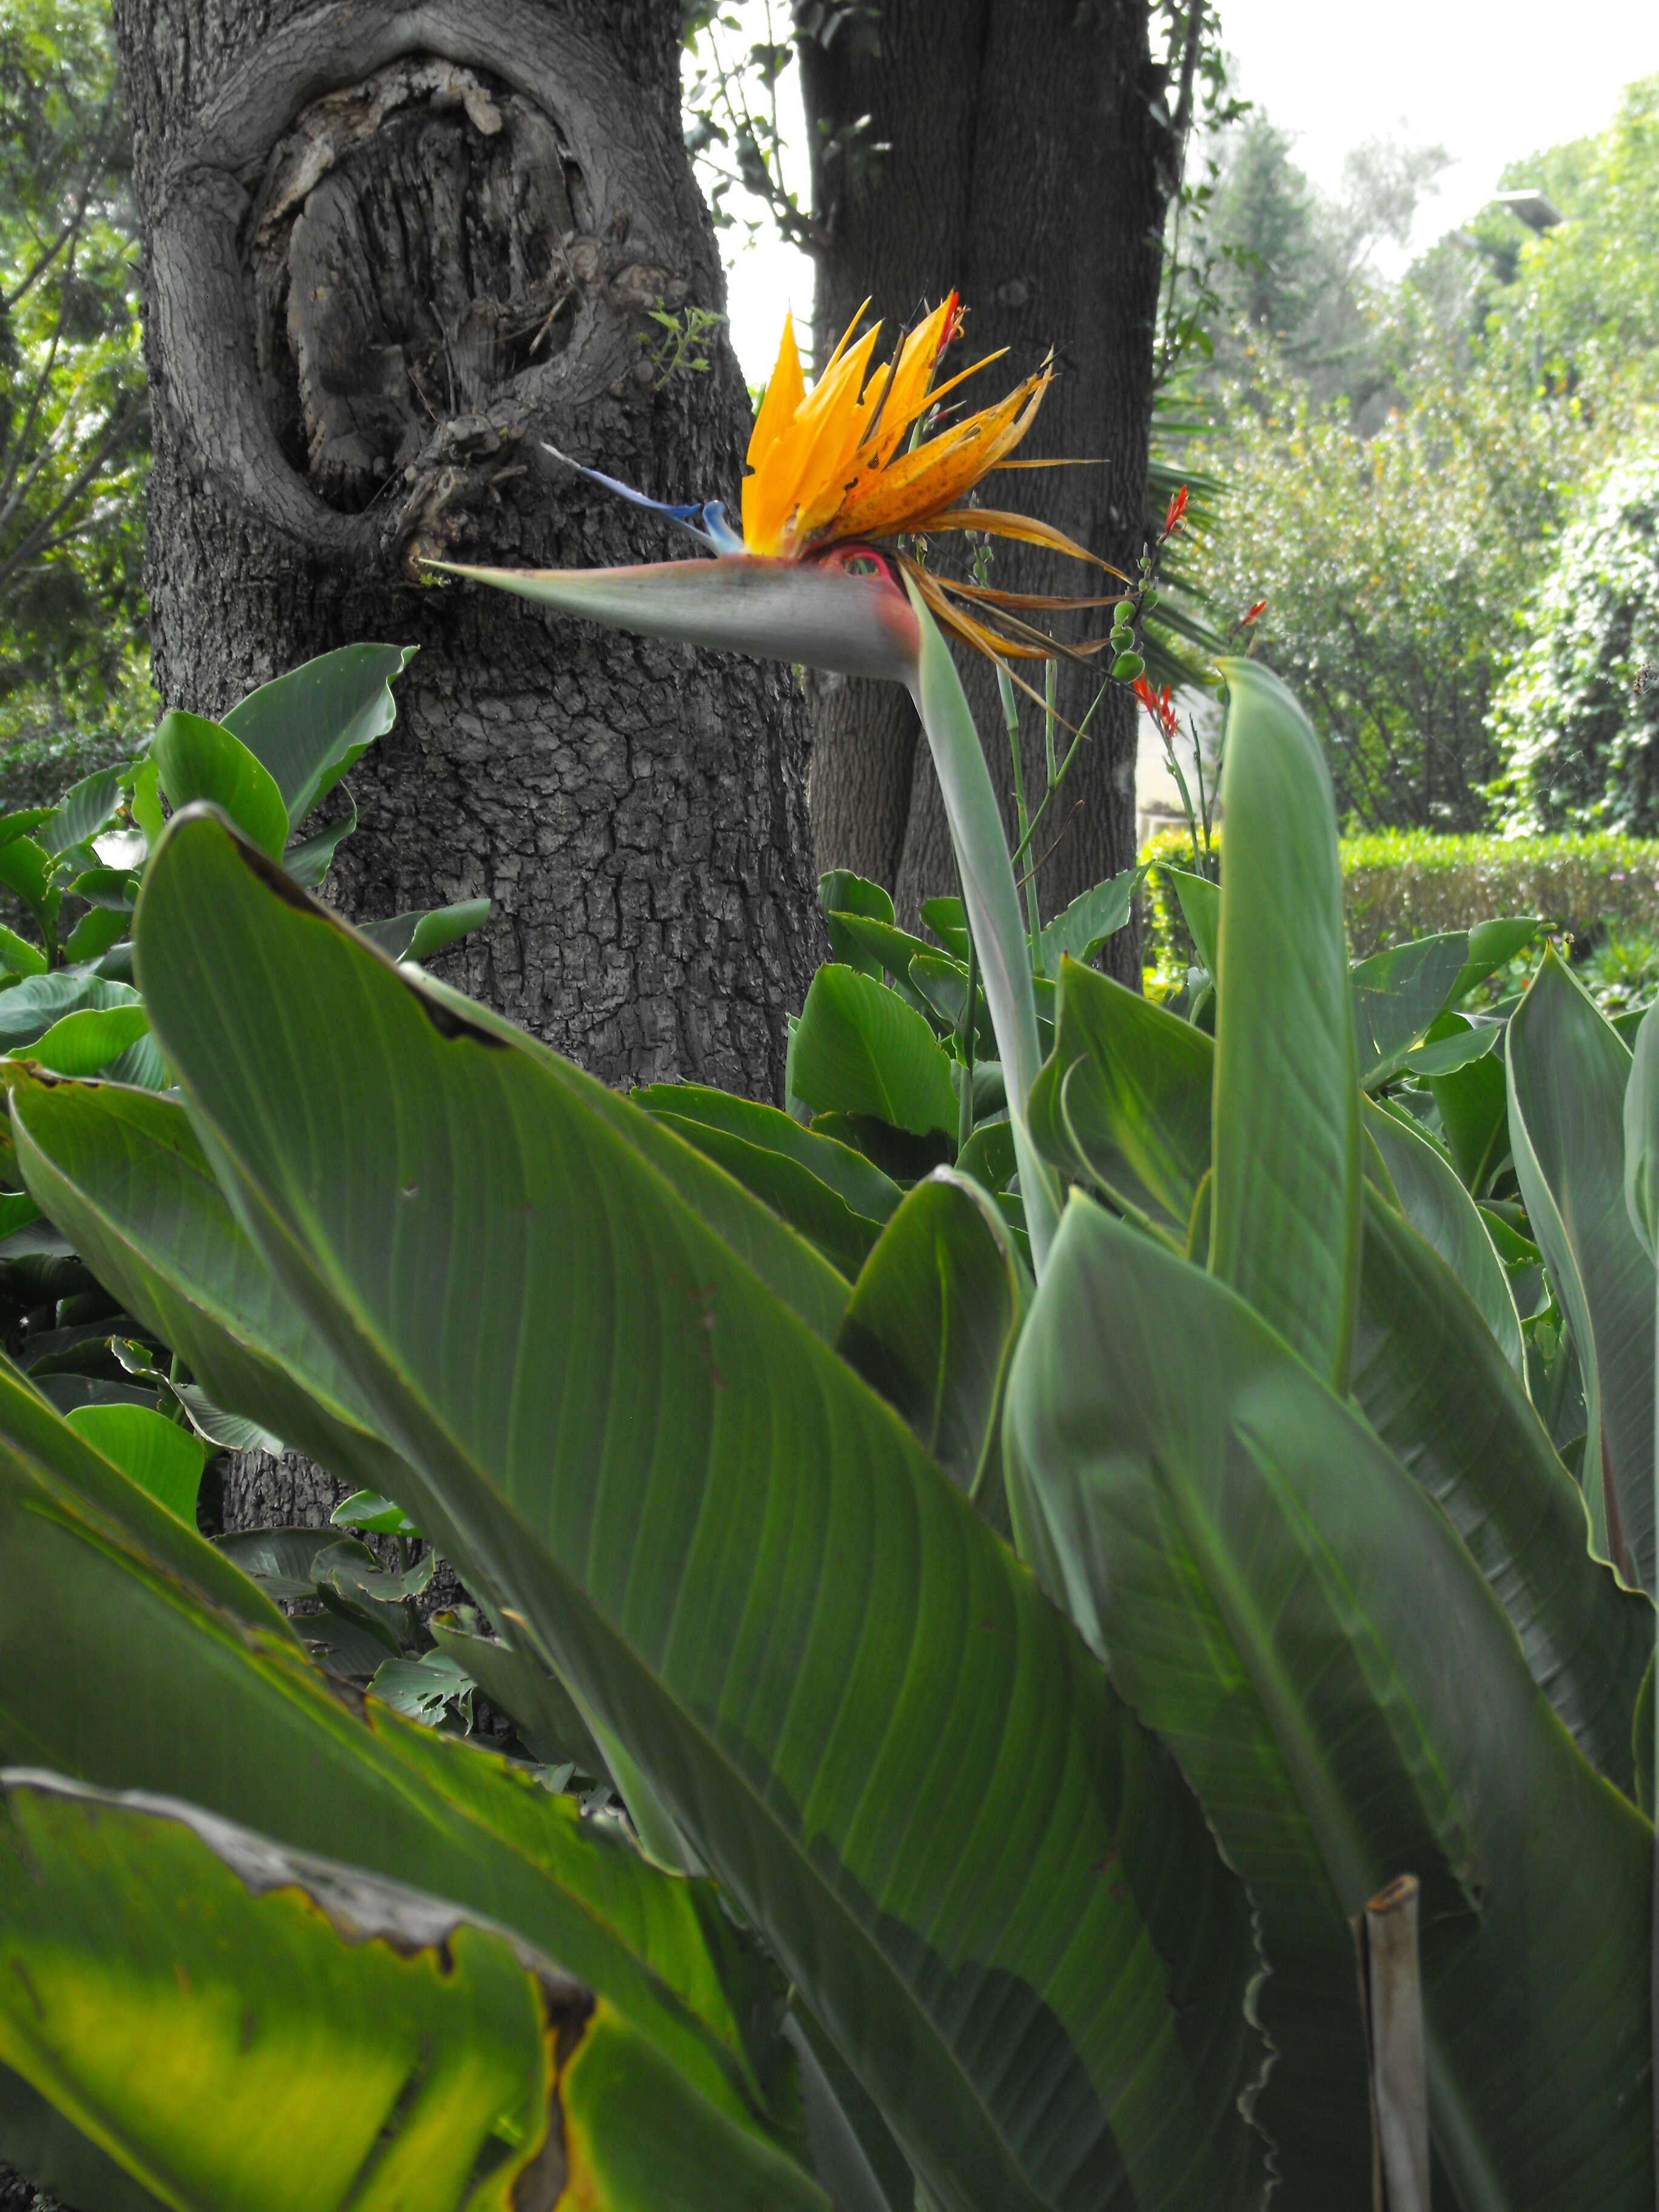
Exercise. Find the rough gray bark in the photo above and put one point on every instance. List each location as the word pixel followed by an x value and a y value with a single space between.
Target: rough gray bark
pixel 389 251
pixel 1027 165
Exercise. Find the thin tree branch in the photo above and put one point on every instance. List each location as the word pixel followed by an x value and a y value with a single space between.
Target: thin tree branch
pixel 34 544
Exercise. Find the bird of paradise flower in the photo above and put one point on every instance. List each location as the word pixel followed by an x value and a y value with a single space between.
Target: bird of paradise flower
pixel 844 479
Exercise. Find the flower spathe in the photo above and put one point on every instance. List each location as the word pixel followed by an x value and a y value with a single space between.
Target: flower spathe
pixel 839 476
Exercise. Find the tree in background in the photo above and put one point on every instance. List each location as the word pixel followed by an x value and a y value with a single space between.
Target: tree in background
pixel 392 256
pixel 1577 722
pixel 1026 153
pixel 1400 499
pixel 73 419
pixel 1294 272
pixel 1392 567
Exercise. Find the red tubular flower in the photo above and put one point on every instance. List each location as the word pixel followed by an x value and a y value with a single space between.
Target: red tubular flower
pixel 1250 614
pixel 953 325
pixel 1162 710
pixel 1175 514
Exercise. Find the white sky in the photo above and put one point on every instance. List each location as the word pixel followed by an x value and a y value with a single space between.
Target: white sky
pixel 1489 83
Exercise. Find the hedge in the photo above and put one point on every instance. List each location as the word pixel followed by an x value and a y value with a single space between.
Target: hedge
pixel 1401 884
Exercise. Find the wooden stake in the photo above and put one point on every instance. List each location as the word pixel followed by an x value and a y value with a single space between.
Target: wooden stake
pixel 1391 2006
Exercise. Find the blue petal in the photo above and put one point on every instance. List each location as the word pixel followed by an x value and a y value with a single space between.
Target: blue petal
pixel 716 533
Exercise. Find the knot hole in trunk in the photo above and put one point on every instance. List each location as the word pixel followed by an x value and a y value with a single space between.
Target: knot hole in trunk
pixel 420 241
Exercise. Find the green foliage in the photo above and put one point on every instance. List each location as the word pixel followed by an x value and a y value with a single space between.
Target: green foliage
pixel 74 448
pixel 1577 719
pixel 1399 884
pixel 1392 567
pixel 1020 1543
pixel 733 1420
pixel 1579 303
pixel 68 1006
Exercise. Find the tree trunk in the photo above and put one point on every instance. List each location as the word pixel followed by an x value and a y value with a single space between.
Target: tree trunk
pixel 391 252
pixel 1016 151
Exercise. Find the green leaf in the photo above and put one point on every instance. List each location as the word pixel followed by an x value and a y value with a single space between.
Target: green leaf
pixel 84 809
pixel 17 954
pixel 992 900
pixel 773 1163
pixel 1452 1043
pixel 1567 1077
pixel 1397 996
pixel 308 727
pixel 197 759
pixel 96 931
pixel 17 1210
pixel 656 1463
pixel 425 1689
pixel 127 1176
pixel 347 2039
pixel 932 1323
pixel 420 936
pixel 147 804
pixel 941 986
pixel 159 1456
pixel 988 1155
pixel 842 891
pixel 1492 945
pixel 1429 1377
pixel 1285 1203
pixel 1473 1107
pixel 21 822
pixel 860 1049
pixel 1140 1091
pixel 243 1725
pixel 26 868
pixel 1124 1100
pixel 380 1516
pixel 308 859
pixel 1201 909
pixel 283 1561
pixel 945 918
pixel 537 1703
pixel 1089 920
pixel 1442 1212
pixel 874 948
pixel 695 1107
pixel 1642 1136
pixel 1298 1622
pixel 81 1042
pixel 114 889
pixel 224 1432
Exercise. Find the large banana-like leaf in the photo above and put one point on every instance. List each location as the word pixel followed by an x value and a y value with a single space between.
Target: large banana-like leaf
pixel 1432 1380
pixel 133 1655
pixel 992 1889
pixel 1439 1208
pixel 1428 1374
pixel 1285 1211
pixel 311 724
pixel 123 1175
pixel 244 2026
pixel 1568 1070
pixel 1124 1099
pixel 933 1323
pixel 1276 1597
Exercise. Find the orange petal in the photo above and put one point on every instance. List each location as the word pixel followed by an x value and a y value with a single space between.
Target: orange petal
pixel 781 399
pixel 938 472
pixel 996 524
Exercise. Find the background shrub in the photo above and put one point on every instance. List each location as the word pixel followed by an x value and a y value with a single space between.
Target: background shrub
pixel 1576 719
pixel 1405 884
